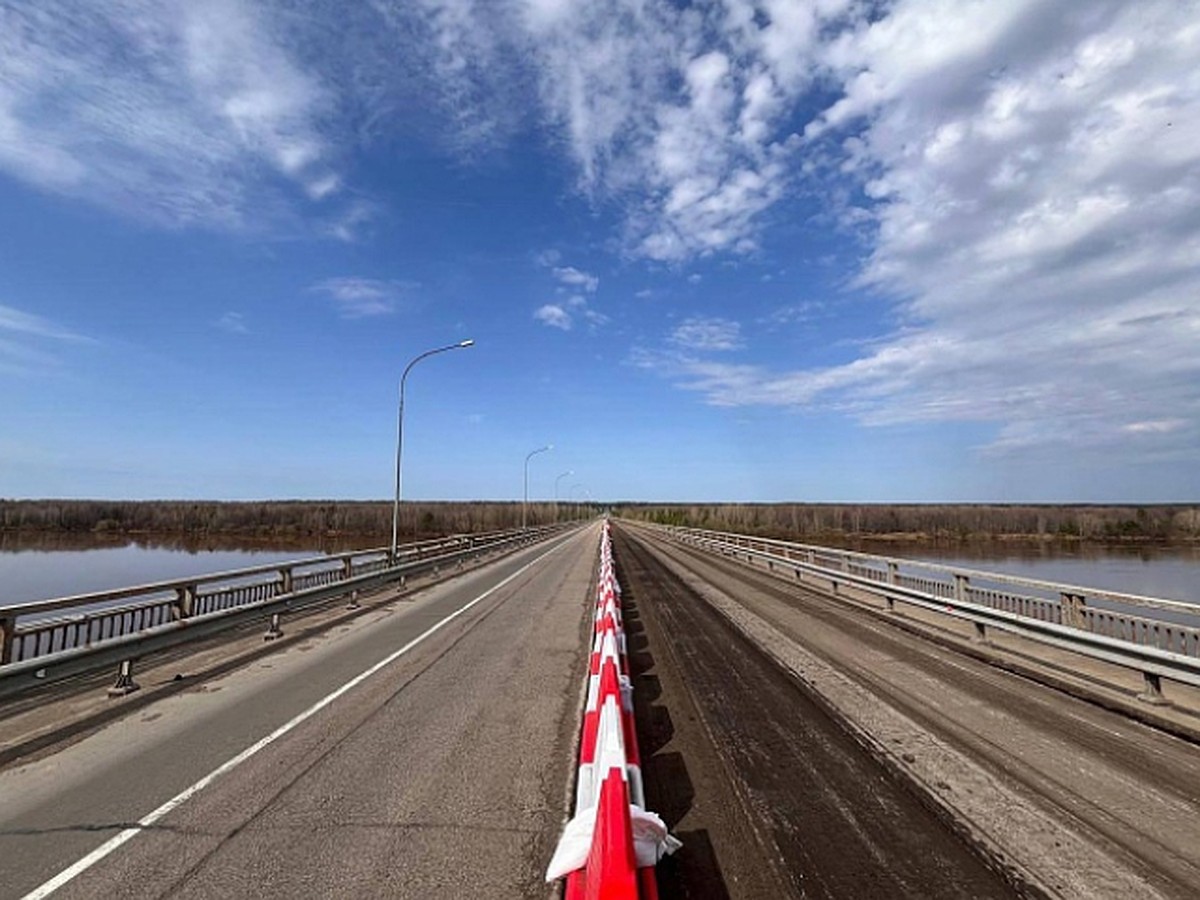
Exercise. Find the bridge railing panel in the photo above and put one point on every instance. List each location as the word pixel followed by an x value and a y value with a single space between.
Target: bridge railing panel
pixel 1162 635
pixel 47 629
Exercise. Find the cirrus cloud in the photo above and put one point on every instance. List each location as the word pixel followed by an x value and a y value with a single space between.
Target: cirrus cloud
pixel 359 298
pixel 707 333
pixel 181 115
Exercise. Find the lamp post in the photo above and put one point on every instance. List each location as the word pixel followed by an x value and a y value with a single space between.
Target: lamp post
pixel 556 481
pixel 525 502
pixel 400 436
pixel 574 488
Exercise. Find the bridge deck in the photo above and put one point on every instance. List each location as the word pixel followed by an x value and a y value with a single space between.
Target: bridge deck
pixel 1073 797
pixel 800 744
pixel 443 774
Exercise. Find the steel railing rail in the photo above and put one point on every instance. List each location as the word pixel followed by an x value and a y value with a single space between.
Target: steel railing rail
pixel 38 649
pixel 1158 637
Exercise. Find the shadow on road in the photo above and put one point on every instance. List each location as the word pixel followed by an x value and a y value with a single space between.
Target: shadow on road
pixel 693 871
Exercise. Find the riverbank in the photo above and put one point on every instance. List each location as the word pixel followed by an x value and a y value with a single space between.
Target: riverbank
pixel 822 522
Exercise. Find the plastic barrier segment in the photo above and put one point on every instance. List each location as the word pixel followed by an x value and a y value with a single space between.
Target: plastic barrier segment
pixel 611 833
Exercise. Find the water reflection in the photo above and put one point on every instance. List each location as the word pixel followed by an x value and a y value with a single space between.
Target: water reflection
pixel 1032 550
pixel 43 566
pixel 1151 570
pixel 307 545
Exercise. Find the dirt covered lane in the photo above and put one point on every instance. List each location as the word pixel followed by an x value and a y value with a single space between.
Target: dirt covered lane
pixel 768 792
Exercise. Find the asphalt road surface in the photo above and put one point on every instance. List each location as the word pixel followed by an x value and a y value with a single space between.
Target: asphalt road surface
pixel 1057 794
pixel 440 770
pixel 800 747
pixel 770 796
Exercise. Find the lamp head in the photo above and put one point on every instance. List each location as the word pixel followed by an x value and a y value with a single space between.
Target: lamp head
pixel 466 343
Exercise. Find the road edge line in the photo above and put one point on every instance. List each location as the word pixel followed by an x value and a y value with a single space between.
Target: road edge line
pixel 82 865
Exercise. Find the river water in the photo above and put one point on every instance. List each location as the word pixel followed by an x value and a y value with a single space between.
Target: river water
pixel 1171 573
pixel 41 567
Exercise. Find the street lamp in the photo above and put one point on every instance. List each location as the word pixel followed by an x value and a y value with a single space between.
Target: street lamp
pixel 525 502
pixel 400 436
pixel 556 481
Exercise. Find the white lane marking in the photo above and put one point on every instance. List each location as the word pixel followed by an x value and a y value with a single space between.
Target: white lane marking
pixel 68 874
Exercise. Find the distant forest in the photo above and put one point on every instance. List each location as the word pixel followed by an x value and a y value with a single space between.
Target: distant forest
pixel 304 519
pixel 932 521
pixel 272 519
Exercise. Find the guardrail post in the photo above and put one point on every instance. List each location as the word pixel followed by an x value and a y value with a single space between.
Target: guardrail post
pixel 893 576
pixel 1153 690
pixel 347 568
pixel 353 604
pixel 1071 606
pixel 273 632
pixel 285 576
pixel 961 583
pixel 124 684
pixel 8 632
pixel 185 601
pixel 980 636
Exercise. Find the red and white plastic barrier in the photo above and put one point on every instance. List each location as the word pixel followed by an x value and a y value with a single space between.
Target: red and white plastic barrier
pixel 609 849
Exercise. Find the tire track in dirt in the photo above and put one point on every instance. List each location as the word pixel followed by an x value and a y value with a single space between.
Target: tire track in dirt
pixel 782 792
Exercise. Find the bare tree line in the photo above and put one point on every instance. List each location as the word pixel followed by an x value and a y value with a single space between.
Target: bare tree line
pixel 296 518
pixel 302 518
pixel 1165 522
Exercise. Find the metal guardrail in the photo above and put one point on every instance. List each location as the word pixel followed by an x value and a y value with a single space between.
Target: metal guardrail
pixel 1158 637
pixel 48 640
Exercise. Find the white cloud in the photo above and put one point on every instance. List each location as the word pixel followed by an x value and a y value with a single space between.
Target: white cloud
pixel 232 113
pixel 574 306
pixel 792 313
pixel 358 298
pixel 462 43
pixel 323 186
pixel 703 333
pixel 676 114
pixel 1031 182
pixel 28 342
pixel 28 324
pixel 565 314
pixel 1037 184
pixel 1159 426
pixel 233 322
pixel 192 114
pixel 554 316
pixel 1025 175
pixel 572 277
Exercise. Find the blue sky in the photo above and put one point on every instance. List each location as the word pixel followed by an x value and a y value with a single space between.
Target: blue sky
pixel 763 250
